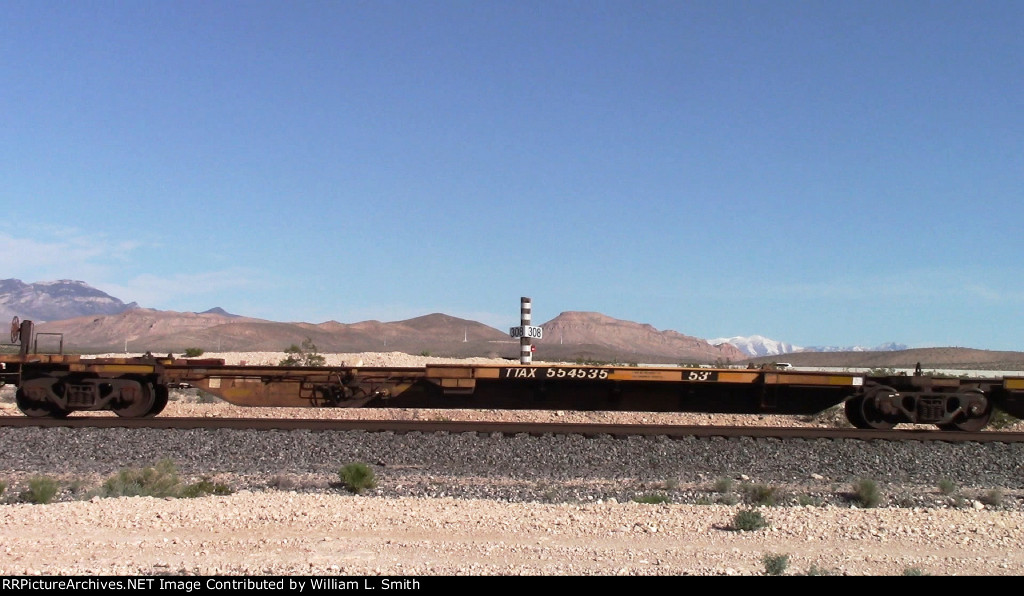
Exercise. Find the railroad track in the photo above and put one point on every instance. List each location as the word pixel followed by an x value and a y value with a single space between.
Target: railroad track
pixel 516 428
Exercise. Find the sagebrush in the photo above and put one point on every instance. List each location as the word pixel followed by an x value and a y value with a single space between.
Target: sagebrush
pixel 357 477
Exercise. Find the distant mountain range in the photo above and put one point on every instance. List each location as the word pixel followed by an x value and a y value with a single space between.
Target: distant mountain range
pixel 88 320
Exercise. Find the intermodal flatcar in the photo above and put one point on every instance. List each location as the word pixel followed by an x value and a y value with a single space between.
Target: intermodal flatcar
pixel 57 384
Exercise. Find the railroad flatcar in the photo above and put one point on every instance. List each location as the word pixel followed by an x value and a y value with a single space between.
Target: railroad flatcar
pixel 57 384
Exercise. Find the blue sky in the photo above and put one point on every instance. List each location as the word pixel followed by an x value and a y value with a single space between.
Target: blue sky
pixel 821 173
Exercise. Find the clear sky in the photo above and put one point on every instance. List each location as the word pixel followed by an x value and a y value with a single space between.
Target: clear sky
pixel 823 172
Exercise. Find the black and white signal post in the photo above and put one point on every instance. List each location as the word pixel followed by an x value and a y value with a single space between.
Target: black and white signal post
pixel 525 331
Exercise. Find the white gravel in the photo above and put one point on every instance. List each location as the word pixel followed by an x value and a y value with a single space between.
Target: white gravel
pixel 315 534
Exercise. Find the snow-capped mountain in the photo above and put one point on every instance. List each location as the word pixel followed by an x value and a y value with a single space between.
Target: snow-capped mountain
pixel 758 345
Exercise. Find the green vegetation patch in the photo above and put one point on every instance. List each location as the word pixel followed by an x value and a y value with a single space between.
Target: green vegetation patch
pixel 748 520
pixel 775 564
pixel 357 477
pixel 304 355
pixel 41 490
pixel 160 481
pixel 866 493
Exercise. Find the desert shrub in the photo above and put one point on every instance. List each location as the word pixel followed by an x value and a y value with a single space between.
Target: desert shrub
pixel 748 520
pixel 808 501
pixel 160 480
pixel 304 355
pixel 193 352
pixel 78 487
pixel 775 564
pixel 947 486
pixel 866 493
pixel 3 487
pixel 203 488
pixel 819 571
pixel 913 571
pixel 41 490
pixel 357 477
pixel 723 485
pixel 759 494
pixel 992 497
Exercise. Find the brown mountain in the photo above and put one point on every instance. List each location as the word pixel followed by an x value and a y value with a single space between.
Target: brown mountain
pixel 132 329
pixel 168 331
pixel 571 336
pixel 593 336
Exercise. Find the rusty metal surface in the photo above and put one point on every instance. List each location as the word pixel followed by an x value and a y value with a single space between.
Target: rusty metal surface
pixel 277 386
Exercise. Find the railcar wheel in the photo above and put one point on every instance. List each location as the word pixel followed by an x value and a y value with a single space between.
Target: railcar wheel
pixel 862 413
pixel 140 405
pixel 972 423
pixel 15 330
pixel 162 396
pixel 852 408
pixel 34 408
